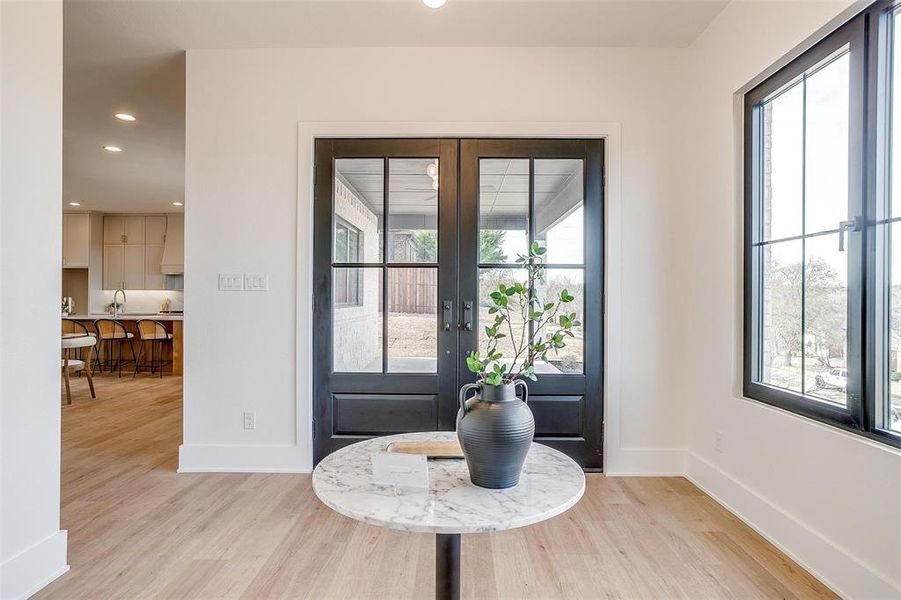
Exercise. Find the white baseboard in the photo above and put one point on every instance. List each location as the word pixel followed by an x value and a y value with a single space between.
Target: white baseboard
pixel 834 566
pixel 196 458
pixel 644 462
pixel 29 571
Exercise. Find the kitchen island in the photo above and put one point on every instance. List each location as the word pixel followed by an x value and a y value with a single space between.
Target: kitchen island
pixel 172 322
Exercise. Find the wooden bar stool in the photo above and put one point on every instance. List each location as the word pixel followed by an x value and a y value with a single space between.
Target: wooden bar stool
pixel 76 328
pixel 153 332
pixel 111 332
pixel 70 343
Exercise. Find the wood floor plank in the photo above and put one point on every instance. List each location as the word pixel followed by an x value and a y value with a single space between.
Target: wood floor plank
pixel 138 529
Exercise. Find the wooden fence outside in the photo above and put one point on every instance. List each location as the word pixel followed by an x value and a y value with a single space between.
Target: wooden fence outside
pixel 413 291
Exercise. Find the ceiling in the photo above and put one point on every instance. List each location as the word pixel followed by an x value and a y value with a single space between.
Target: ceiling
pixel 127 56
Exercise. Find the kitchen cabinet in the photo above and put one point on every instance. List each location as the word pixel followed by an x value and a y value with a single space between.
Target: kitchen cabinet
pixel 153 272
pixel 76 240
pixel 127 229
pixel 155 231
pixel 123 266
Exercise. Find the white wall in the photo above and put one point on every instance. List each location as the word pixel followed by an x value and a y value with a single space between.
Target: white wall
pixel 32 547
pixel 831 499
pixel 799 483
pixel 243 107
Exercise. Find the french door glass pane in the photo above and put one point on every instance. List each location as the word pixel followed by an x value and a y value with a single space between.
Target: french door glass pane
pixel 559 191
pixel 503 209
pixel 359 209
pixel 780 316
pixel 413 210
pixel 826 147
pixel 569 359
pixel 357 320
pixel 826 319
pixel 412 320
pixel 783 154
pixel 489 281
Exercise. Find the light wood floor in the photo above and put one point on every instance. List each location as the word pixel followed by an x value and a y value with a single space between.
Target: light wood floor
pixel 137 529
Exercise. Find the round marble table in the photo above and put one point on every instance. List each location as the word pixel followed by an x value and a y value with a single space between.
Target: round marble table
pixel 551 483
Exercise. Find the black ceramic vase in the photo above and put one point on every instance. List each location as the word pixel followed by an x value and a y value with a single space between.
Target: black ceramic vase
pixel 495 429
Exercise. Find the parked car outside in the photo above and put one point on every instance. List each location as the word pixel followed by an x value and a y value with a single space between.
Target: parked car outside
pixel 835 378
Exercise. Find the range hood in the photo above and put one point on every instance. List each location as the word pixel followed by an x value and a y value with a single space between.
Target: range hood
pixel 173 262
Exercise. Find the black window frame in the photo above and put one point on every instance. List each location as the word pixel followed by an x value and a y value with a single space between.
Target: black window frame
pixel 866 35
pixel 353 283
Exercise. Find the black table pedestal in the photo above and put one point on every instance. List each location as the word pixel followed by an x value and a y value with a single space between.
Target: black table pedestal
pixel 447 566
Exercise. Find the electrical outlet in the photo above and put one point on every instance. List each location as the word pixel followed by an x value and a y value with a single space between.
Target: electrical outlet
pixel 718 442
pixel 256 282
pixel 231 282
pixel 250 420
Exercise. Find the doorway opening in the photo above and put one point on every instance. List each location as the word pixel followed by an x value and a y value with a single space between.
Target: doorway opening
pixel 411 236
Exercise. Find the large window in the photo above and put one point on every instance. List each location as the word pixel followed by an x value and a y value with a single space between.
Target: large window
pixel 822 291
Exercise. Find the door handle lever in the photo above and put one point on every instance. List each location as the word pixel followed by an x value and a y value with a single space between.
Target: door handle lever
pixel 466 324
pixel 448 307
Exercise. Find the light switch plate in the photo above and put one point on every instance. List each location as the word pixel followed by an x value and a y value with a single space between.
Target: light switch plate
pixel 231 282
pixel 256 282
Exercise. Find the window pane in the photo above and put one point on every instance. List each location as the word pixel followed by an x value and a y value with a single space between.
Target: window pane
pixel 781 315
pixel 826 168
pixel 896 121
pixel 826 319
pixel 412 320
pixel 891 419
pixel 503 209
pixel 489 281
pixel 570 358
pixel 413 210
pixel 357 320
pixel 359 209
pixel 783 151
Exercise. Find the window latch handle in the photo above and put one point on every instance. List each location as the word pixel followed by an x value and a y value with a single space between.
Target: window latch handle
pixel 855 224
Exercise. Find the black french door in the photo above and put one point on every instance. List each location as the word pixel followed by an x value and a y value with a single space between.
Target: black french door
pixel 410 238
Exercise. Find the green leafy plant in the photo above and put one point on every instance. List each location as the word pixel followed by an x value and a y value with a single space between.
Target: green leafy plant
pixel 530 341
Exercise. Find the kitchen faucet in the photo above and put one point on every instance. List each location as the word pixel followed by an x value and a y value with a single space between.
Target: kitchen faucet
pixel 116 304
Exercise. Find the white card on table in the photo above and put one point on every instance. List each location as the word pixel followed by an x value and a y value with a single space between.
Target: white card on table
pixel 407 470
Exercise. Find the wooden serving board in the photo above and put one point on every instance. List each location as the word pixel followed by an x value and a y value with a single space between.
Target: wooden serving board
pixel 430 449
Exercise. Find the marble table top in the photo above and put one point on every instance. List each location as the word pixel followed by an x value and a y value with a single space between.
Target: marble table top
pixel 551 483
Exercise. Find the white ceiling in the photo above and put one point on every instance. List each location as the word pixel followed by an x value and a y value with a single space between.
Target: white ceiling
pixel 123 55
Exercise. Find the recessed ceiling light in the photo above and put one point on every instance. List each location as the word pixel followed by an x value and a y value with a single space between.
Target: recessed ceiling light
pixel 125 117
pixel 178 204
pixel 109 148
pixel 74 203
pixel 434 3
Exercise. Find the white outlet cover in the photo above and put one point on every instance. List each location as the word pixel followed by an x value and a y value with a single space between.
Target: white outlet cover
pixel 231 282
pixel 256 282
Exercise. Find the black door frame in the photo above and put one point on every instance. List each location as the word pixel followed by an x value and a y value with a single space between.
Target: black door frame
pixel 458 225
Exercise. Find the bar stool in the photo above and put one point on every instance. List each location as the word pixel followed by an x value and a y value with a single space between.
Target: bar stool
pixel 76 365
pixel 153 332
pixel 72 328
pixel 109 332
